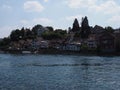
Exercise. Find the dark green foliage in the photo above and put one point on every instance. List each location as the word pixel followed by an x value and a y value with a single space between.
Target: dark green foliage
pixel 77 35
pixel 57 34
pixel 109 29
pixel 85 22
pixel 61 32
pixel 50 28
pixel 22 34
pixel 29 34
pixel 76 26
pixel 4 43
pixel 84 47
pixel 50 35
pixel 85 28
pixel 35 29
pixel 15 35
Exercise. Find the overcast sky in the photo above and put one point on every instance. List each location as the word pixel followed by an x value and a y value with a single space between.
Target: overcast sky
pixel 57 13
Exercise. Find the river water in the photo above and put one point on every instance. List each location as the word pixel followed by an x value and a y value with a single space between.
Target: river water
pixel 59 72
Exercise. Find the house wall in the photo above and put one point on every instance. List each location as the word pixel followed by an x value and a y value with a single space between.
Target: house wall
pixel 107 43
pixel 71 47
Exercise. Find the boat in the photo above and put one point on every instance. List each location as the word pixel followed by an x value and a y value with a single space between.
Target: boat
pixel 26 52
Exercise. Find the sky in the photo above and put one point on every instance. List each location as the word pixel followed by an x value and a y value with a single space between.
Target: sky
pixel 56 13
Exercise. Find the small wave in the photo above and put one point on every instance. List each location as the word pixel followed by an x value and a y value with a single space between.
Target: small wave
pixel 55 65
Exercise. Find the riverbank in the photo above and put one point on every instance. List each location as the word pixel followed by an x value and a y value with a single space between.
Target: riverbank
pixel 54 51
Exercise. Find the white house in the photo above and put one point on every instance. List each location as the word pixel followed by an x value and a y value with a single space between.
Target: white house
pixel 37 44
pixel 71 47
pixel 44 44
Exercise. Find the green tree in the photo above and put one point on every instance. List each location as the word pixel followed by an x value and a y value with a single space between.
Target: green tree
pixel 35 29
pixel 85 28
pixel 22 33
pixel 50 28
pixel 29 34
pixel 57 34
pixel 4 43
pixel 109 29
pixel 76 27
pixel 15 35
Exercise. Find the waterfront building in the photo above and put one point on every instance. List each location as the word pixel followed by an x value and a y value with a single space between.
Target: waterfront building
pixel 71 47
pixel 106 42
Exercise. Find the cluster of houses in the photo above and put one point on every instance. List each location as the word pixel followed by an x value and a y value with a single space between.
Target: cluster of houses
pixel 105 41
pixel 102 41
pixel 98 39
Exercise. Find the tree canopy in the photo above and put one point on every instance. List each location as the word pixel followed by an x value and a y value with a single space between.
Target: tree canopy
pixel 57 34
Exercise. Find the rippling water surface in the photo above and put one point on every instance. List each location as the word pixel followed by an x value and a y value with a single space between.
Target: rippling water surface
pixel 59 72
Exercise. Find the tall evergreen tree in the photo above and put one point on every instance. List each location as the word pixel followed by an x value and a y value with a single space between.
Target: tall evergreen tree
pixel 85 28
pixel 76 26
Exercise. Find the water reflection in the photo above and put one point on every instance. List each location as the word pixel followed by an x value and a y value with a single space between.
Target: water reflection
pixel 86 66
